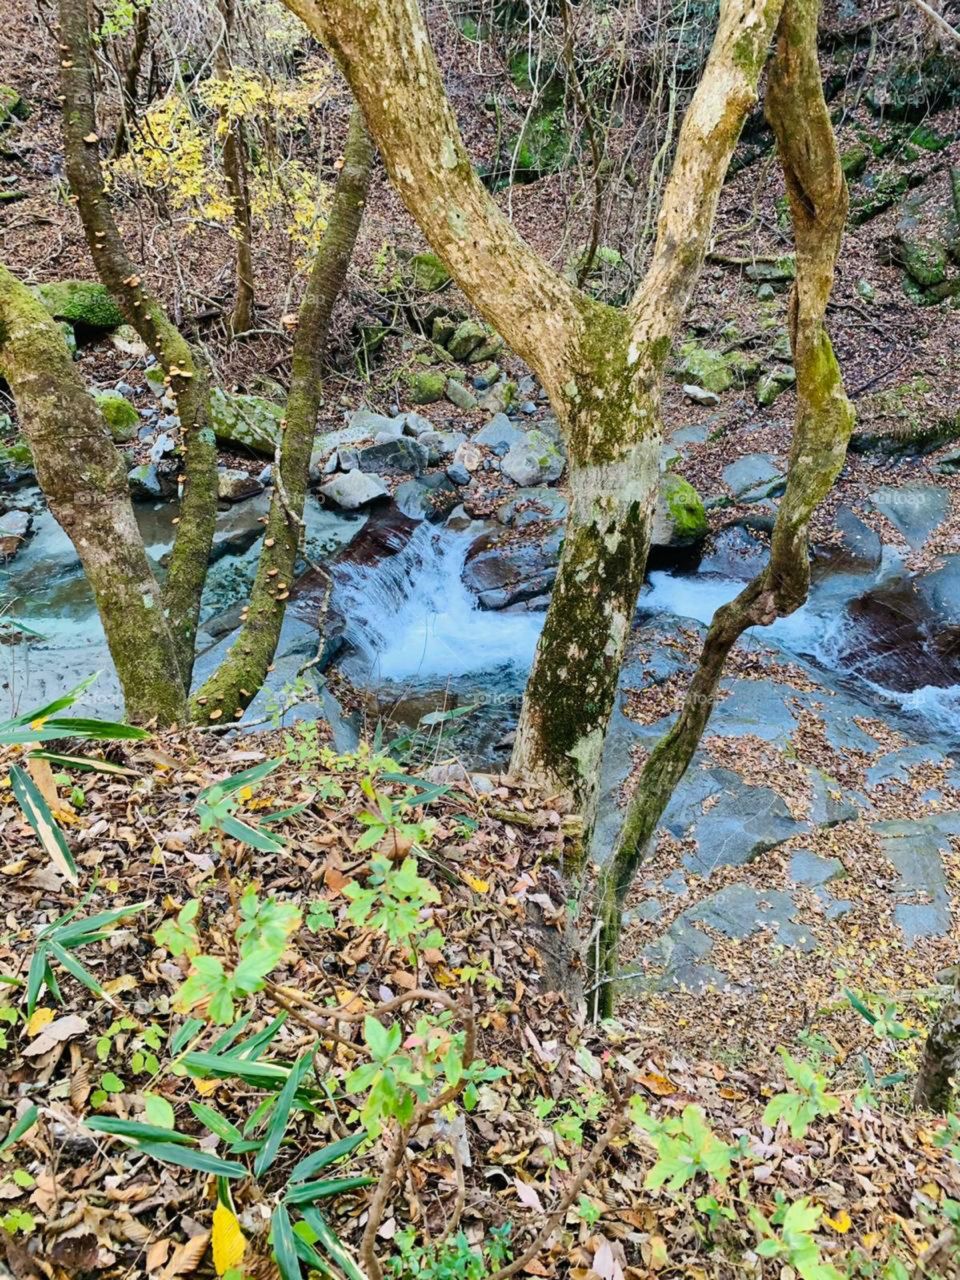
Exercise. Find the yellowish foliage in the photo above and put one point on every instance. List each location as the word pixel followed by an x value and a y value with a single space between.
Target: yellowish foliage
pixel 228 1241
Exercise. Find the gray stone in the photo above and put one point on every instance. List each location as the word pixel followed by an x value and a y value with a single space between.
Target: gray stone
pixel 754 476
pixel 914 510
pixel 364 424
pixel 430 498
pixel 353 489
pixel 399 456
pixel 500 397
pixel 250 421
pixel 15 528
pixel 155 379
pixel 527 406
pixel 810 869
pixel 941 591
pixel 119 414
pixel 530 506
pixel 233 485
pixel 146 482
pixel 460 395
pixel 679 518
pixel 949 463
pixel 501 571
pixel 415 424
pixel 500 430
pixel 450 442
pixel 745 822
pixel 466 338
pixel 700 395
pixel 774 383
pixel 766 292
pixel 458 473
pixel 163 447
pixel 537 460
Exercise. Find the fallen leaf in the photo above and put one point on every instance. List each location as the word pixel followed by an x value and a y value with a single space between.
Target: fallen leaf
pixel 227 1240
pixel 65 1028
pixel 39 1019
pixel 186 1257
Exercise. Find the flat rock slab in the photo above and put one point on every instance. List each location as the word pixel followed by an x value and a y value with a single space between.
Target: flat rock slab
pixel 915 511
pixel 753 472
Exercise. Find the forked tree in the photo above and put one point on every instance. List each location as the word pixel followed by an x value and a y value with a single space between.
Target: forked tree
pixel 603 368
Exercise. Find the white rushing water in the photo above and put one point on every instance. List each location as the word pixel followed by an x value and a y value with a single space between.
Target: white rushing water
pixel 410 617
pixel 821 631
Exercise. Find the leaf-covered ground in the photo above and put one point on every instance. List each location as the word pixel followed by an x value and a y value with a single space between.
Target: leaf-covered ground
pixel 874 1183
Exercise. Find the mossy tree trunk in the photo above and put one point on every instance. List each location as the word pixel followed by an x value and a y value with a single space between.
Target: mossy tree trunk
pixel 818 198
pixel 235 172
pixel 198 510
pixel 244 669
pixel 601 367
pixel 85 482
pixel 940 1061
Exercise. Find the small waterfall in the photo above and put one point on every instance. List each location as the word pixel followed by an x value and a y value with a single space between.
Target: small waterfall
pixel 410 618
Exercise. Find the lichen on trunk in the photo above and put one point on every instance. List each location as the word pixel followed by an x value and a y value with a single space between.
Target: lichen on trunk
pixel 85 483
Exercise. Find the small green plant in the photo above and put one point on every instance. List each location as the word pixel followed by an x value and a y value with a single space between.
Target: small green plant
pixel 451 1259
pixel 686 1146
pixel 393 901
pixel 886 1024
pixel 58 942
pixel 794 1243
pixel 802 1107
pixel 217 806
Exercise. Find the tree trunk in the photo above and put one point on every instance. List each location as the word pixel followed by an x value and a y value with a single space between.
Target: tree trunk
pixel 601 367
pixel 131 74
pixel 85 482
pixel 244 669
pixel 235 172
pixel 940 1062
pixel 818 202
pixel 198 509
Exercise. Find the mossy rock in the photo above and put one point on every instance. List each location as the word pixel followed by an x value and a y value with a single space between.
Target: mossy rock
pixel 854 160
pixel 467 336
pixel 679 518
pixel 81 302
pixel 911 90
pixel 12 105
pixel 774 383
pixel 705 367
pixel 246 420
pixel 914 430
pixel 782 271
pixel 69 337
pixel 16 462
pixel 120 415
pixel 428 273
pixel 425 386
pixel 925 261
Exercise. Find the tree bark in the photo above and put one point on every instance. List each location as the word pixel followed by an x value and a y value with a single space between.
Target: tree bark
pixel 198 509
pixel 85 483
pixel 601 367
pixel 131 74
pixel 940 1062
pixel 235 172
pixel 244 669
pixel 818 198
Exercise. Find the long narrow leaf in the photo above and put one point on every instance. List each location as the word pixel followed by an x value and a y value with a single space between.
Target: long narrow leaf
pixel 265 1075
pixel 188 1158
pixel 37 813
pixel 326 1156
pixel 59 704
pixel 331 1242
pixel 216 1123
pixel 85 763
pixel 99 730
pixel 245 778
pixel 310 1192
pixel 251 1048
pixel 69 935
pixel 253 836
pixel 25 1123
pixel 281 1114
pixel 137 1130
pixel 35 977
pixel 284 1244
pixel 73 966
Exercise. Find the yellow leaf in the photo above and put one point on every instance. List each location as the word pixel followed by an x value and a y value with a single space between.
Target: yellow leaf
pixel 227 1238
pixel 206 1087
pixel 38 1020
pixel 477 885
pixel 841 1223
pixel 117 985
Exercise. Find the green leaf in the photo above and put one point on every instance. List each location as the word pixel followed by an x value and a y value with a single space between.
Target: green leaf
pixel 326 1156
pixel 280 1116
pixel 35 977
pixel 22 1126
pixel 331 1243
pixel 264 1075
pixel 215 1122
pixel 187 1158
pixel 37 813
pixel 284 1247
pixel 73 966
pixel 310 1192
pixel 158 1111
pixel 253 836
pixel 137 1131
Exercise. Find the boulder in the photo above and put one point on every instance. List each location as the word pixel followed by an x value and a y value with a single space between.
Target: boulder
pixel 467 336
pixel 15 528
pixel 393 457
pixel 500 431
pixel 700 395
pixel 460 395
pixel 12 106
pixel 754 477
pixel 128 342
pixel 535 460
pixel 774 383
pixel 427 272
pixel 245 420
pixel 425 386
pixel 16 463
pixel 148 483
pixel 705 368
pixel 428 498
pixel 354 489
pixel 120 415
pixel 82 302
pixel 499 397
pixel 783 271
pixel 156 380
pixel 532 506
pixel 233 485
pixel 679 518
pixel 501 571
pixel 415 424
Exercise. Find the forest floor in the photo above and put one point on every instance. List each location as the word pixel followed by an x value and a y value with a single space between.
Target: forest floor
pixel 81 1204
